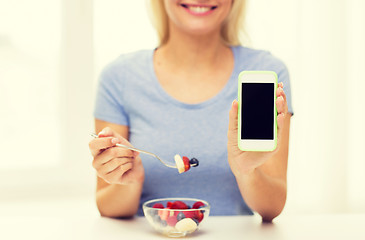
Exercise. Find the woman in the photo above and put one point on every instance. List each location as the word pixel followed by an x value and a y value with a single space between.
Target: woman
pixel 180 99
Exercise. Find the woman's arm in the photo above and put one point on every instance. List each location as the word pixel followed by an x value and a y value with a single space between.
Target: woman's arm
pixel 119 188
pixel 264 189
pixel 261 176
pixel 115 200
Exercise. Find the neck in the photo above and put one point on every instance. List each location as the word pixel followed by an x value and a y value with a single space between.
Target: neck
pixel 193 52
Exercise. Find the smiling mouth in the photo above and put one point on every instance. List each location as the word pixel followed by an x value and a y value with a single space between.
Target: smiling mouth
pixel 198 9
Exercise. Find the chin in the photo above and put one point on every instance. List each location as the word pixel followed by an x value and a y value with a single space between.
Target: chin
pixel 201 33
pixel 199 27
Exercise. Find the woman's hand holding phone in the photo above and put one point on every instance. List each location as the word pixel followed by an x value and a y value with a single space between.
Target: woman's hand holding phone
pixel 115 165
pixel 244 162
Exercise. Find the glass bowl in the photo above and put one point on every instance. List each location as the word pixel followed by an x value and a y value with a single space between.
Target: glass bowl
pixel 176 217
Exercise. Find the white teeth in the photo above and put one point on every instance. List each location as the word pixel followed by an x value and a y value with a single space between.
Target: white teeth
pixel 199 9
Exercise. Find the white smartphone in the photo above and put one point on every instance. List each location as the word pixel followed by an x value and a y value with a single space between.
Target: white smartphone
pixel 257 114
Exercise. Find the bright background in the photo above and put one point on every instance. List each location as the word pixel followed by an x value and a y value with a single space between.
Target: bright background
pixel 51 52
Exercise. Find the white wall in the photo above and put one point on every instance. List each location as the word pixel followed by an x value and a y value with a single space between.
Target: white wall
pixel 355 110
pixel 45 146
pixel 322 43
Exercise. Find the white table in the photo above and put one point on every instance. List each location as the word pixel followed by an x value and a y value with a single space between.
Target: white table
pixel 226 228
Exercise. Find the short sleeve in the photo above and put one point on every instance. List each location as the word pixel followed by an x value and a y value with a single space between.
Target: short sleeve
pixel 109 97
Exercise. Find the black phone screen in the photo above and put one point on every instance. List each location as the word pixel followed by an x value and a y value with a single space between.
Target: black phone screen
pixel 257 111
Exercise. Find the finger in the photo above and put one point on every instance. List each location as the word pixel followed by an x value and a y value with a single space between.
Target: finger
pixel 281 84
pixel 124 141
pixel 107 132
pixel 113 164
pixel 233 117
pixel 111 153
pixel 280 92
pixel 116 175
pixel 280 120
pixel 102 143
pixel 233 125
pixel 280 104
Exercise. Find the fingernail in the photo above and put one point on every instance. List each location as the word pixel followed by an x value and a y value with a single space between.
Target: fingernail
pixel 101 133
pixel 115 140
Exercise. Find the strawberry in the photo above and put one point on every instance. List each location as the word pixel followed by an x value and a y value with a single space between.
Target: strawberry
pixel 198 205
pixel 172 213
pixel 171 220
pixel 179 205
pixel 199 215
pixel 164 214
pixel 169 204
pixel 158 205
pixel 190 214
pixel 186 163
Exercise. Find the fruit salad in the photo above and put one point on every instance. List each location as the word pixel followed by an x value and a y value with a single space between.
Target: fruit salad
pixel 177 216
pixel 183 164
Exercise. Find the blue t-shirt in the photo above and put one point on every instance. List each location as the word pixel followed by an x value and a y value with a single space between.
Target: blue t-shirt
pixel 130 94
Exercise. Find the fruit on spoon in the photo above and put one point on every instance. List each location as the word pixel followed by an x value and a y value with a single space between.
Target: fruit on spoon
pixel 183 164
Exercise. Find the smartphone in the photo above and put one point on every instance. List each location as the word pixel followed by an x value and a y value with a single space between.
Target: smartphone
pixel 257 114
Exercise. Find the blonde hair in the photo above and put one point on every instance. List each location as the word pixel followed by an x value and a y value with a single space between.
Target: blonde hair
pixel 232 27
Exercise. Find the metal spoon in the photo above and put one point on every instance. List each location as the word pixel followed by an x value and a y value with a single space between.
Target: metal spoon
pixel 141 151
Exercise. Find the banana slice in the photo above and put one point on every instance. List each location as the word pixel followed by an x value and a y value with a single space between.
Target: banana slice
pixel 186 225
pixel 179 163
